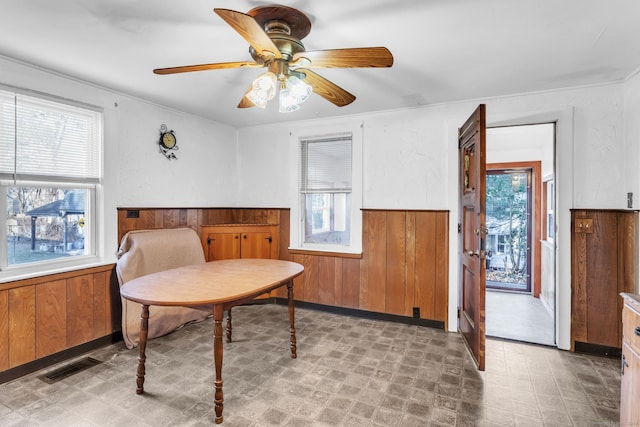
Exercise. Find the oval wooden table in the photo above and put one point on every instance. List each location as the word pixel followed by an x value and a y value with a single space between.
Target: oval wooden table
pixel 223 284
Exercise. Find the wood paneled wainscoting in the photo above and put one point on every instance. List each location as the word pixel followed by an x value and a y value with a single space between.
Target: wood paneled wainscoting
pixel 604 263
pixel 50 318
pixel 404 263
pixel 404 266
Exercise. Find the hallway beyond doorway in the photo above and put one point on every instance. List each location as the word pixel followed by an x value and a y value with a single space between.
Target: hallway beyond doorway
pixel 519 317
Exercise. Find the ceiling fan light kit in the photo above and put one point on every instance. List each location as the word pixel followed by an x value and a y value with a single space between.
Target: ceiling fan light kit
pixel 274 33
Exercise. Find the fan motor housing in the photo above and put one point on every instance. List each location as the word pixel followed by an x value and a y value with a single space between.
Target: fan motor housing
pixel 287 45
pixel 285 26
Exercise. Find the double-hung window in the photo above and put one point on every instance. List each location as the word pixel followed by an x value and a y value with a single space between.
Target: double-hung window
pixel 329 193
pixel 326 189
pixel 50 169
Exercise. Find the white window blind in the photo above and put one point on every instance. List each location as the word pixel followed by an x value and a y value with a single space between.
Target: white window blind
pixel 326 164
pixel 43 140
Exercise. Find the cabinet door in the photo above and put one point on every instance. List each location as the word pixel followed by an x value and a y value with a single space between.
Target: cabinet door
pixel 630 388
pixel 223 246
pixel 256 245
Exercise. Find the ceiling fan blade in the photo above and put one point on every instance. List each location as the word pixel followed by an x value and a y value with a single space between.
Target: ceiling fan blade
pixel 360 57
pixel 203 67
pixel 328 90
pixel 250 30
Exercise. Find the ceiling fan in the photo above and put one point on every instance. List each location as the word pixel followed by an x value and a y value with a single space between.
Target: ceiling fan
pixel 274 33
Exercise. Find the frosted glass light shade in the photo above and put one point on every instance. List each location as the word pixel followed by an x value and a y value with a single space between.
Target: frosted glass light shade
pixel 263 89
pixel 293 94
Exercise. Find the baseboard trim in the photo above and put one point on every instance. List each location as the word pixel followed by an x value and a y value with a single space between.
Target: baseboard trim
pixel 597 349
pixel 52 359
pixel 364 314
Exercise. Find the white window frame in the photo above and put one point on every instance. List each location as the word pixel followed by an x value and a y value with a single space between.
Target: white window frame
pixel 93 212
pixel 297 204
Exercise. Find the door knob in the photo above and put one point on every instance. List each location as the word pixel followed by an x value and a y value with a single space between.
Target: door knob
pixel 480 254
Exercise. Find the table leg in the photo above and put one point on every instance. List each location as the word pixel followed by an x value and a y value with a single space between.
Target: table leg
pixel 229 325
pixel 218 313
pixel 144 330
pixel 292 316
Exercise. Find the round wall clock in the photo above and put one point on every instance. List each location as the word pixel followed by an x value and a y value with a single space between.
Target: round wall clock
pixel 168 143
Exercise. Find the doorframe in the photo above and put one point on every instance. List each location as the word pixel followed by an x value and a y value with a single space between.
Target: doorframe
pixel 503 113
pixel 536 223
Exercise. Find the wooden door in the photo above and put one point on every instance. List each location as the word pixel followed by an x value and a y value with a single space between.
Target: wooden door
pixel 256 245
pixel 223 246
pixel 472 229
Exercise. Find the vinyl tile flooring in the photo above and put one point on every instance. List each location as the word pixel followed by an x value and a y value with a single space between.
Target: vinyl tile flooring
pixel 349 372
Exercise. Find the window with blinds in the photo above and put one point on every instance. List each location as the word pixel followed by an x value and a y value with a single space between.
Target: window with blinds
pixel 325 189
pixel 50 166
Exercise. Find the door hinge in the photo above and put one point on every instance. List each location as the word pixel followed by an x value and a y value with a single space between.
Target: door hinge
pixel 459 228
pixel 209 240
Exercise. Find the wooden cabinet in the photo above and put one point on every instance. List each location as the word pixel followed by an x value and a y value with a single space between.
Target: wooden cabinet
pixel 630 386
pixel 239 241
pixel 604 263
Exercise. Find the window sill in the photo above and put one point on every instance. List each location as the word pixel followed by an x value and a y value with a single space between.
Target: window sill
pixel 315 252
pixel 14 274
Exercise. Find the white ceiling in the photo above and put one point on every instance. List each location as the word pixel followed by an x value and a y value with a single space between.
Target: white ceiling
pixel 444 50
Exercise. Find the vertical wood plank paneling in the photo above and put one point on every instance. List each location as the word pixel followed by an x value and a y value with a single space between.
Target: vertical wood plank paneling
pixel 183 217
pixel 363 294
pixel 158 218
pixel 79 310
pixel 147 219
pixel 410 268
pixel 396 263
pixel 578 281
pixel 298 282
pixel 100 314
pixel 442 267
pixel 337 278
pixel 4 330
pixel 51 318
pixel 627 259
pixel 326 280
pixel 22 325
pixel 376 231
pixel 34 316
pixel 193 219
pixel 310 277
pixel 602 280
pixel 350 282
pixel 169 218
pixel 425 263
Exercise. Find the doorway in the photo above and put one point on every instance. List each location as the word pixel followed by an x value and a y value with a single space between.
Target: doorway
pixel 520 296
pixel 508 222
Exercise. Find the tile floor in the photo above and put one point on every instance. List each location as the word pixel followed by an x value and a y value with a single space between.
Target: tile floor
pixel 518 316
pixel 349 372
